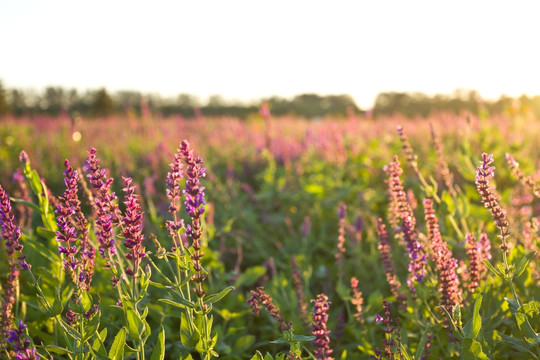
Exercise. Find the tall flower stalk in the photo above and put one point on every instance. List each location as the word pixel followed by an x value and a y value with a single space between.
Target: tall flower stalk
pixel 11 234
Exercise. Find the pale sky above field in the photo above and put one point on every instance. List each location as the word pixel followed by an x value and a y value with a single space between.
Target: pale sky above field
pixel 245 50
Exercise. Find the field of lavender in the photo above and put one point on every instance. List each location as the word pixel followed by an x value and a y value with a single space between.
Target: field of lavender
pixel 269 238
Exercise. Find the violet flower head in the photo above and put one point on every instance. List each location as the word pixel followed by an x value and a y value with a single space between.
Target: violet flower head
pixel 133 226
pixel 105 207
pixel 387 264
pixel 473 252
pixel 483 174
pixel 195 208
pixel 417 264
pixel 260 296
pixel 321 343
pixel 21 344
pixel 16 260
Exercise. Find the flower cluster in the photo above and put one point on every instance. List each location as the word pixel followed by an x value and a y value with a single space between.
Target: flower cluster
pixel 399 205
pixel 104 205
pixel 525 180
pixel 195 208
pixel 442 166
pixel 73 226
pixel 388 266
pixel 259 295
pixel 389 341
pixel 446 264
pixel 173 194
pixel 417 264
pixel 407 148
pixel 342 210
pixel 357 299
pixel 473 252
pixel 23 348
pixel 16 261
pixel 319 330
pixel 132 229
pixel 483 173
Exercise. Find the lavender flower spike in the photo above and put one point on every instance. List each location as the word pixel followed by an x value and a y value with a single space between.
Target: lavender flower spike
pixel 23 348
pixel 320 331
pixel 132 230
pixel 11 234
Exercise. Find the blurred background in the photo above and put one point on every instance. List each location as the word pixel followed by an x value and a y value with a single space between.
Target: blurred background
pixel 304 58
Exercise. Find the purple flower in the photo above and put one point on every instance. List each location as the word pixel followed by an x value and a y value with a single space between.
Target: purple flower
pixel 104 205
pixel 21 344
pixel 194 207
pixel 319 330
pixel 483 174
pixel 133 226
pixel 12 235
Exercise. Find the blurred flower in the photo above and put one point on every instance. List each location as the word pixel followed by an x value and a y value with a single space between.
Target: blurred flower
pixel 21 344
pixel 260 296
pixel 299 290
pixel 132 229
pixel 483 173
pixel 319 330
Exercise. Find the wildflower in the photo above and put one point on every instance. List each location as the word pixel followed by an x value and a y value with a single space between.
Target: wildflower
pixel 341 238
pixel 473 252
pixel 483 173
pixel 259 295
pixel 104 205
pixel 73 226
pixel 417 264
pixel 357 299
pixel 399 205
pixel 319 330
pixel 446 264
pixel 389 341
pixel 525 180
pixel 195 208
pixel 16 261
pixel 132 230
pixel 173 193
pixel 442 166
pixel 23 349
pixel 407 148
pixel 388 267
pixel 306 226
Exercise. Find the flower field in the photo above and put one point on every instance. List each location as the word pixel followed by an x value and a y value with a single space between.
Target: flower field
pixel 270 238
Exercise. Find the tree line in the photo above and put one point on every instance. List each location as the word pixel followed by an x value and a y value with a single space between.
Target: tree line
pixel 54 101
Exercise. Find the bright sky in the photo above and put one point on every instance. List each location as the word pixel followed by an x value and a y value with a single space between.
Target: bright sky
pixel 249 49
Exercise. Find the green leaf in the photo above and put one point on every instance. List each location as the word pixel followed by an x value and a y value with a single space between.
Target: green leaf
pixel 159 350
pixel 92 327
pixel 44 305
pixel 158 285
pixel 257 356
pixel 25 203
pixel 526 329
pixel 57 306
pixel 250 276
pixel 98 342
pixel 216 297
pixel 84 304
pixel 523 263
pixel 473 326
pixel 457 330
pixel 518 344
pixel 242 344
pixel 472 350
pixel 492 269
pixel 57 350
pixel 182 304
pixel 134 323
pixel 68 330
pixel 422 344
pixel 117 348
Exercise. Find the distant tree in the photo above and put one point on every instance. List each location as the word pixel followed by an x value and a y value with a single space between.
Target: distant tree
pixel 17 101
pixel 4 106
pixel 102 104
pixel 54 100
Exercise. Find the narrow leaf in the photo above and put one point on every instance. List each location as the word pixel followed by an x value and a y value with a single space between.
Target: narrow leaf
pixel 216 297
pixel 523 263
pixel 159 350
pixel 117 348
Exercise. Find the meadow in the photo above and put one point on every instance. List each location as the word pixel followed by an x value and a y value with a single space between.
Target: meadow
pixel 270 238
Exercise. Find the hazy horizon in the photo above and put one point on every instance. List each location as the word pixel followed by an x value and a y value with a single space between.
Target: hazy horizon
pixel 245 51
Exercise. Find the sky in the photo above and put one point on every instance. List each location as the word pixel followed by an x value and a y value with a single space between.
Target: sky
pixel 246 50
